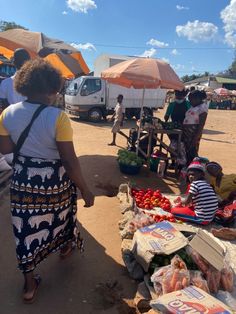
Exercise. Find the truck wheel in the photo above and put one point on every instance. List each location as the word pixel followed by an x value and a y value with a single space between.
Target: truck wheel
pixel 148 111
pixel 95 115
pixel 129 113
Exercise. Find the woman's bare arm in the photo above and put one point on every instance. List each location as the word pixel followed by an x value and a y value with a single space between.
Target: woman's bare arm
pixel 187 200
pixel 6 144
pixel 202 121
pixel 72 167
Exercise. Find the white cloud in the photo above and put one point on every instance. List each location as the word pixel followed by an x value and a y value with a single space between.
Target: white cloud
pixel 81 5
pixel 175 52
pixel 178 67
pixel 165 59
pixel 157 43
pixel 64 12
pixel 87 46
pixel 149 53
pixel 197 31
pixel 228 16
pixel 180 7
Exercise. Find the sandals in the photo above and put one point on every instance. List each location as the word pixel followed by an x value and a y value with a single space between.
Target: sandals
pixel 67 253
pixel 38 280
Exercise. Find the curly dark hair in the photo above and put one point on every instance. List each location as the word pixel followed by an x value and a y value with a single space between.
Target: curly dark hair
pixel 200 94
pixel 37 77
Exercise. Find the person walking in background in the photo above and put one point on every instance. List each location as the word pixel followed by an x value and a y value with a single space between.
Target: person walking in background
pixel 193 124
pixel 8 94
pixel 46 172
pixel 118 117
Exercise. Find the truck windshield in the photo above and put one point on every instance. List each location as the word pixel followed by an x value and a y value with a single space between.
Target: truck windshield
pixel 74 86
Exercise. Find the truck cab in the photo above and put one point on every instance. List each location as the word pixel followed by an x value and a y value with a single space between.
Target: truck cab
pixel 85 97
pixel 92 98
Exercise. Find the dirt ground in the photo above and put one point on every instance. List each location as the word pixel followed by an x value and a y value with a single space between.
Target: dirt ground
pixel 97 281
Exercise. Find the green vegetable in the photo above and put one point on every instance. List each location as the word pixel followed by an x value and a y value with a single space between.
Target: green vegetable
pixel 129 158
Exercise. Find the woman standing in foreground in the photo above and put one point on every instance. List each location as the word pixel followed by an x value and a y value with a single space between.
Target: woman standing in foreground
pixel 46 173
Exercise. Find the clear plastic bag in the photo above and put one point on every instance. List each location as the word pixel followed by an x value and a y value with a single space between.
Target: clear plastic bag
pixel 201 263
pixel 197 280
pixel 227 298
pixel 227 279
pixel 171 278
pixel 140 221
pixel 213 279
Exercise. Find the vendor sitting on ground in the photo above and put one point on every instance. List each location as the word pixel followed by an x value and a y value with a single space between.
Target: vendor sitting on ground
pixel 201 202
pixel 223 184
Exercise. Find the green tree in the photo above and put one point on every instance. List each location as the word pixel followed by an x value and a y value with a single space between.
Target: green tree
pixel 232 68
pixel 4 26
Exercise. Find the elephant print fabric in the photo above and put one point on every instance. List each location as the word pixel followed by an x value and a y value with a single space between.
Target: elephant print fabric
pixel 43 208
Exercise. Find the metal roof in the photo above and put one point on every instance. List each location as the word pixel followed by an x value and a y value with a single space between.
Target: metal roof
pixel 225 80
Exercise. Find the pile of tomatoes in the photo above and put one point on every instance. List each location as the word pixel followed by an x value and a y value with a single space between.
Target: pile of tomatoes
pixel 149 199
pixel 160 218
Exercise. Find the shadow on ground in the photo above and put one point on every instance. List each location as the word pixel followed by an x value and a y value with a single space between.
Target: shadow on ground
pixel 105 124
pixel 104 177
pixel 212 132
pixel 91 282
pixel 218 141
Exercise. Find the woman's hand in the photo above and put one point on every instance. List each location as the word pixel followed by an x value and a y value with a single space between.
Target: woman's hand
pixel 88 198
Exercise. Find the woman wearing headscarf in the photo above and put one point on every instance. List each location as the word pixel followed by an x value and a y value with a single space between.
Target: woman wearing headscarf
pixel 223 184
pixel 46 172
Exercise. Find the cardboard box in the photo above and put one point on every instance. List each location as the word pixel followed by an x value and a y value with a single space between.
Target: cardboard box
pixel 159 238
pixel 210 248
pixel 190 300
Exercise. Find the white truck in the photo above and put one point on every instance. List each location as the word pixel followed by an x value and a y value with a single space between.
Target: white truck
pixel 93 98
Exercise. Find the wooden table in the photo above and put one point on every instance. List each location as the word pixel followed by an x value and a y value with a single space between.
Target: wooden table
pixel 159 135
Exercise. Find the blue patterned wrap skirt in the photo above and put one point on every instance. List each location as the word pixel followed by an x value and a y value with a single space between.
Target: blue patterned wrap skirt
pixel 43 208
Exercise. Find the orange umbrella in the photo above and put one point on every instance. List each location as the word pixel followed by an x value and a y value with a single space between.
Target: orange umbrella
pixel 35 42
pixel 143 73
pixel 69 66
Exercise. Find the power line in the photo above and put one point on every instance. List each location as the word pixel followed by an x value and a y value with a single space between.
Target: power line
pixel 163 48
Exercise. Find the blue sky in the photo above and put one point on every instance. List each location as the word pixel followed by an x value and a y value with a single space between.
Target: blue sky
pixel 194 36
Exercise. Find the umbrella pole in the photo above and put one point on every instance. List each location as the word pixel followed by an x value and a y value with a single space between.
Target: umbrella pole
pixel 141 115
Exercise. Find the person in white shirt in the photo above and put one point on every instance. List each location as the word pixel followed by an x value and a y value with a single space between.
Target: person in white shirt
pixel 8 94
pixel 118 117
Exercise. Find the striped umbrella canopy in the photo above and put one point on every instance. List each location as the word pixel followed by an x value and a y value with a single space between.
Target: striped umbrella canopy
pixel 70 65
pixel 222 92
pixel 36 43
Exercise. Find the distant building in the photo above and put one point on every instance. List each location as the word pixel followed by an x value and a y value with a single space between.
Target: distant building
pixel 105 61
pixel 213 82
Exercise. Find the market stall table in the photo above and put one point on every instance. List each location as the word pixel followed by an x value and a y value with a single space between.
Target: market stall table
pixel 158 135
